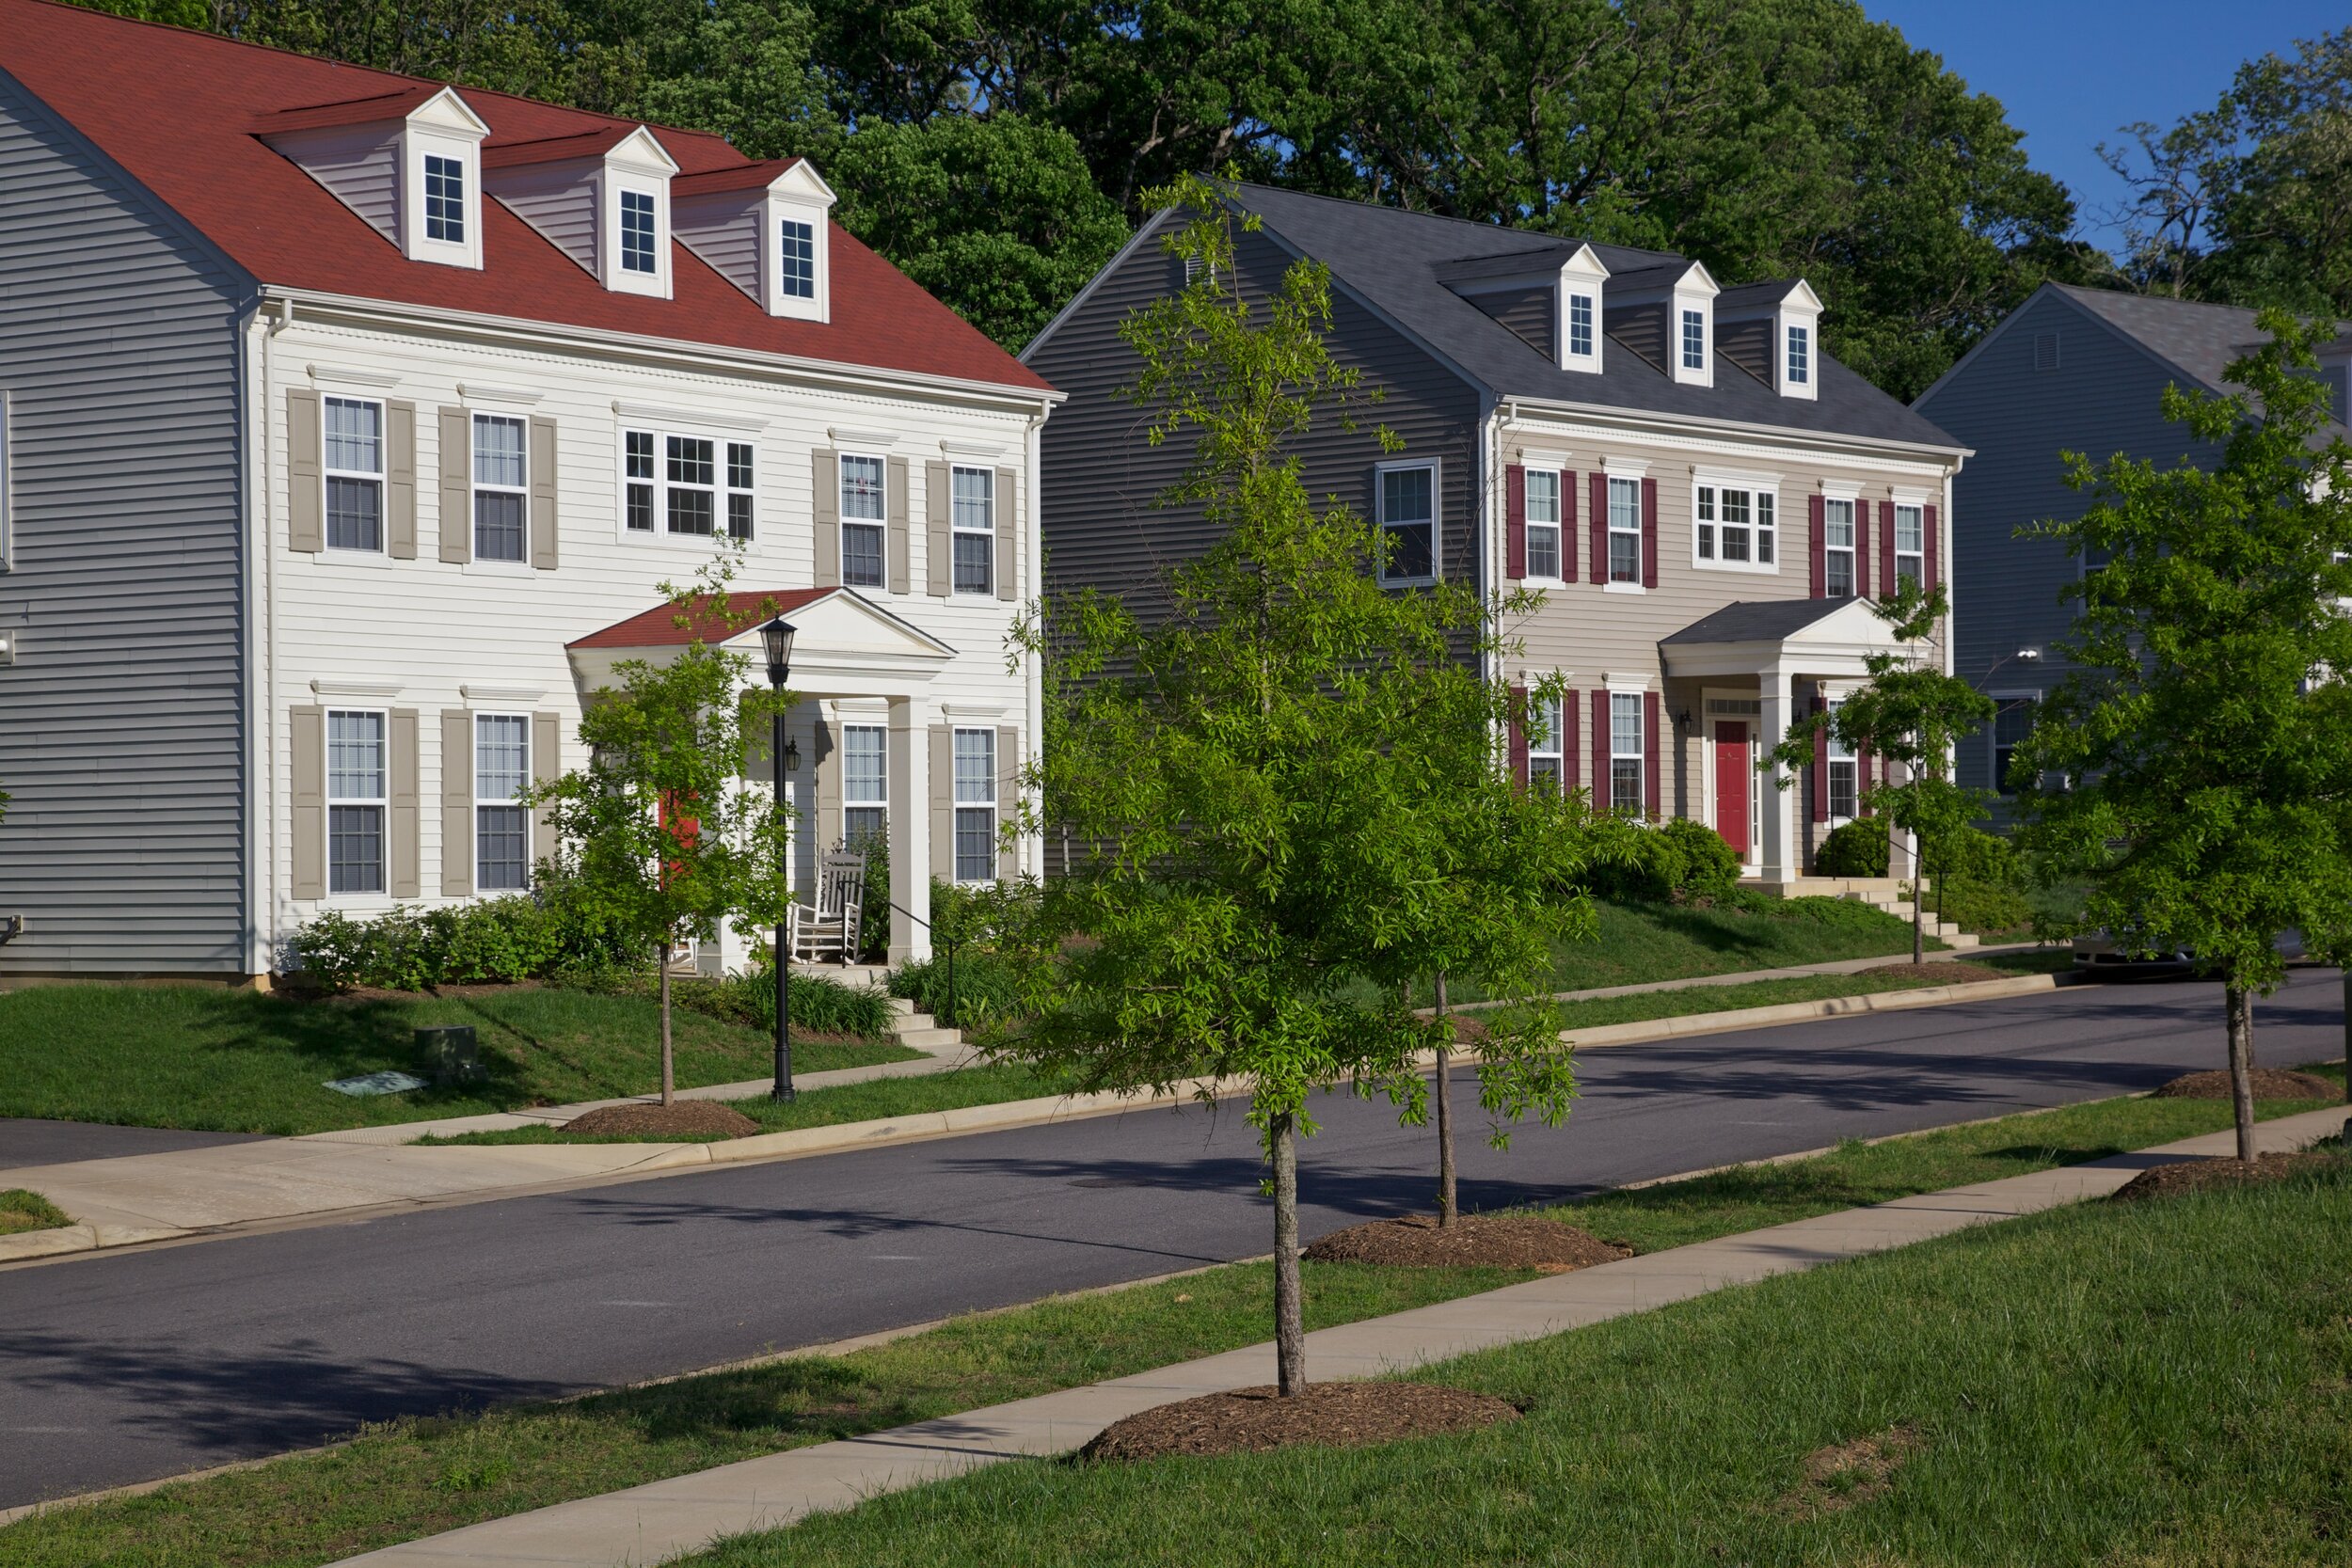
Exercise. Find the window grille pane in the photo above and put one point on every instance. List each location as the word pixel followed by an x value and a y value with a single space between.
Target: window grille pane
pixel 976 767
pixel 1910 532
pixel 862 489
pixel 1625 785
pixel 1766 533
pixel 502 748
pixel 498 526
pixel 1581 325
pixel 637 447
pixel 1543 496
pixel 497 451
pixel 690 461
pixel 1543 551
pixel 502 848
pixel 975 564
pixel 798 272
pixel 738 516
pixel 1411 553
pixel 354 513
pixel 354 756
pixel 691 512
pixel 738 465
pixel 863 780
pixel 1625 530
pixel 1406 495
pixel 1694 340
pixel 1843 798
pixel 1543 775
pixel 444 200
pixel 1624 724
pixel 1800 356
pixel 355 436
pixel 862 556
pixel 637 247
pixel 354 848
pixel 1838 573
pixel 641 509
pixel 975 844
pixel 975 503
pixel 1838 524
pixel 861 826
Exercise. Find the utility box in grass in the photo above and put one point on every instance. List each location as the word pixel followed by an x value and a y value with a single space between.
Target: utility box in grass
pixel 450 1054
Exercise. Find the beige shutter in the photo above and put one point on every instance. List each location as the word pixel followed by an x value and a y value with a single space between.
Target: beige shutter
pixel 407 806
pixel 825 509
pixel 400 481
pixel 942 802
pixel 547 766
pixel 1007 536
pixel 543 520
pixel 938 562
pixel 306 499
pixel 826 831
pixel 306 734
pixel 896 509
pixel 1008 797
pixel 457 494
pixel 456 800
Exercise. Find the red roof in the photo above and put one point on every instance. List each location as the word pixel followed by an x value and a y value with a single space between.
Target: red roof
pixel 179 110
pixel 659 628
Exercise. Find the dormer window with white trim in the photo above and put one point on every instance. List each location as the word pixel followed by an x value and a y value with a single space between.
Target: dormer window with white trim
pixel 441 184
pixel 638 233
pixel 796 258
pixel 1695 340
pixel 445 186
pixel 408 162
pixel 765 228
pixel 1582 279
pixel 1690 319
pixel 1799 367
pixel 634 254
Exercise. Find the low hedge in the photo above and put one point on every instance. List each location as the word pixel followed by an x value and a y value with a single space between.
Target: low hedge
pixel 820 1004
pixel 1638 861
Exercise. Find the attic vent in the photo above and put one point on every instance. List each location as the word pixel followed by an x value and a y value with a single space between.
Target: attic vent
pixel 2045 351
pixel 1192 268
pixel 1736 706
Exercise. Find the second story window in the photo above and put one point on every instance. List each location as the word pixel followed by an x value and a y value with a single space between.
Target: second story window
pixel 1580 327
pixel 1546 761
pixel 740 488
pixel 2012 723
pixel 1625 530
pixel 501 770
pixel 444 198
pixel 355 474
pixel 796 260
pixel 1543 522
pixel 638 477
pixel 1408 518
pixel 1694 339
pixel 864 517
pixel 1737 528
pixel 1800 356
pixel 502 503
pixel 1844 798
pixel 1911 543
pixel 637 233
pixel 1837 576
pixel 688 483
pixel 973 518
pixel 864 784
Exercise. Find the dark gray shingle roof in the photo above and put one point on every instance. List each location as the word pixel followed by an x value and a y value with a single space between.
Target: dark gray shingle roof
pixel 2198 338
pixel 1392 258
pixel 1757 621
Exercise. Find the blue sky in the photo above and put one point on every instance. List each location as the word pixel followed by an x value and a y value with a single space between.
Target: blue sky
pixel 2071 72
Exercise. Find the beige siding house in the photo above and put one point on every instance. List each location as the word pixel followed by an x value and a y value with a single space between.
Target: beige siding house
pixel 1704 498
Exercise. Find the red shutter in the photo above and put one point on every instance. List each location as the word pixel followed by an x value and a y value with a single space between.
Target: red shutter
pixel 1863 762
pixel 1929 563
pixel 1515 520
pixel 1887 549
pixel 1821 754
pixel 1567 528
pixel 1600 751
pixel 1600 529
pixel 1862 550
pixel 1518 732
pixel 1821 549
pixel 1651 792
pixel 1571 751
pixel 1649 533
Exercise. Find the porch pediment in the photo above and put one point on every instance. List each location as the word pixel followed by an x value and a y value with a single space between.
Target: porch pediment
pixel 1821 637
pixel 847 645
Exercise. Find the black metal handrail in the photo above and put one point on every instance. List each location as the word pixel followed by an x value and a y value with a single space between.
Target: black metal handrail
pixel 927 925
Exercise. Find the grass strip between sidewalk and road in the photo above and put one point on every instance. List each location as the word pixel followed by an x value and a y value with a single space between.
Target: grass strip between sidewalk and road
pixel 2162 1382
pixel 21 1211
pixel 413 1478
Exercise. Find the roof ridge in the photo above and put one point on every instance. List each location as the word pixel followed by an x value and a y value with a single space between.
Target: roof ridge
pixel 1479 224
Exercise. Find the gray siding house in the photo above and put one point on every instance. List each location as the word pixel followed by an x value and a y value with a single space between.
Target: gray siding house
pixel 1703 496
pixel 2071 369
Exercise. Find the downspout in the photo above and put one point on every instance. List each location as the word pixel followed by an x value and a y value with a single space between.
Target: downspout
pixel 1033 683
pixel 265 549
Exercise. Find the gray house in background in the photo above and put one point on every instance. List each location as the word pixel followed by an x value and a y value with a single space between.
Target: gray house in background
pixel 2071 369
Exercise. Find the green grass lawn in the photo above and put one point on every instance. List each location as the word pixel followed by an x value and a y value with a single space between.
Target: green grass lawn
pixel 24 1211
pixel 211 1058
pixel 2152 1382
pixel 413 1478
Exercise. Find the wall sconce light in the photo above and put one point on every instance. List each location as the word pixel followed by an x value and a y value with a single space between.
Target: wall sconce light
pixel 1682 720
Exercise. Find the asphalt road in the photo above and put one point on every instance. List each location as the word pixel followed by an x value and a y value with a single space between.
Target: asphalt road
pixel 122 1368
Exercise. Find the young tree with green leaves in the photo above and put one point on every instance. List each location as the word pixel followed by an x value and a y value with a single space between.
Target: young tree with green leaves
pixel 2203 737
pixel 1912 714
pixel 660 835
pixel 1246 780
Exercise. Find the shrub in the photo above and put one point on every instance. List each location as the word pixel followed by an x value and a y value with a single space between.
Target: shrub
pixel 521 937
pixel 1699 864
pixel 1974 904
pixel 819 1002
pixel 1640 862
pixel 1855 848
pixel 984 986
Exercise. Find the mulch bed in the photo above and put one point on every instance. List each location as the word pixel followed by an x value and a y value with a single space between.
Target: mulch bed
pixel 1941 972
pixel 1329 1415
pixel 2270 1082
pixel 2192 1176
pixel 700 1117
pixel 1472 1241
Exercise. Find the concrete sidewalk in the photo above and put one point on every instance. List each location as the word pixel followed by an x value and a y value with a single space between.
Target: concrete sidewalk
pixel 665 1519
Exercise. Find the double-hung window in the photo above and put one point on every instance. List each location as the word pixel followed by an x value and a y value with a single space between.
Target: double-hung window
pixel 1627 759
pixel 1546 764
pixel 1845 788
pixel 972 518
pixel 1408 517
pixel 1543 522
pixel 444 198
pixel 864 515
pixel 1738 527
pixel 680 486
pixel 1911 543
pixel 2012 723
pixel 740 488
pixel 502 770
pixel 975 805
pixel 637 233
pixel 1625 530
pixel 1838 573
pixel 864 784
pixel 1800 356
pixel 1579 327
pixel 796 260
pixel 355 774
pixel 1694 339
pixel 501 501
pixel 355 474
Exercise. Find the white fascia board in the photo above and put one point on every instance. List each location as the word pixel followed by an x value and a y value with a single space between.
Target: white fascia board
pixel 802 182
pixel 641 153
pixel 447 111
pixel 1646 421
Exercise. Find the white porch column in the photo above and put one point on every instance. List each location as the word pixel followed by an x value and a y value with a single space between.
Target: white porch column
pixel 1778 856
pixel 910 834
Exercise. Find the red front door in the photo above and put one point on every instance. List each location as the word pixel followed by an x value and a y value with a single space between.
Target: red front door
pixel 1732 784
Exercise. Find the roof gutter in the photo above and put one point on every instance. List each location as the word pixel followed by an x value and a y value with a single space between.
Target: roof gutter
pixel 1783 435
pixel 539 334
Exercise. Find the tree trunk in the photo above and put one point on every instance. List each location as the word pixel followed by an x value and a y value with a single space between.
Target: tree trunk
pixel 2347 1040
pixel 2240 1007
pixel 1290 1326
pixel 1445 1112
pixel 1918 907
pixel 669 1080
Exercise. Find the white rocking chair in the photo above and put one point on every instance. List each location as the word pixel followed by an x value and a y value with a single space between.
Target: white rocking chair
pixel 829 931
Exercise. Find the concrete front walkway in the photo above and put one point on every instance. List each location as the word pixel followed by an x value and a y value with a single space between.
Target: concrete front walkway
pixel 666 1519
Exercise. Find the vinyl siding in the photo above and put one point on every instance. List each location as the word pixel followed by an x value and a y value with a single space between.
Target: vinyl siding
pixel 726 231
pixel 1526 312
pixel 2103 398
pixel 122 728
pixel 361 165
pixel 560 201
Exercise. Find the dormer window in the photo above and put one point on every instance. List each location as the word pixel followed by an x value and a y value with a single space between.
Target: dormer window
pixel 408 162
pixel 638 232
pixel 796 260
pixel 1800 367
pixel 764 227
pixel 1695 340
pixel 444 200
pixel 1580 344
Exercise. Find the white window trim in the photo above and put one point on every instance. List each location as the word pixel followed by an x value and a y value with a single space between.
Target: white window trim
pixel 382 803
pixel 1639 756
pixel 844 522
pixel 1589 292
pixel 618 278
pixel 1558 472
pixel 1993 734
pixel 417 143
pixel 956 530
pixel 474 761
pixel 880 725
pixel 720 439
pixel 475 489
pixel 1754 486
pixel 957 805
pixel 1852 549
pixel 1920 555
pixel 1437 516
pixel 328 473
pixel 1617 474
pixel 817 306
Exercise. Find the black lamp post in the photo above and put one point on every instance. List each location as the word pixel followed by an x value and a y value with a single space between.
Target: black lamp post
pixel 777 635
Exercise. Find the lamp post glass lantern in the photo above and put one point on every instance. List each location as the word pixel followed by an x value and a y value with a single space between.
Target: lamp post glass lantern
pixel 777 638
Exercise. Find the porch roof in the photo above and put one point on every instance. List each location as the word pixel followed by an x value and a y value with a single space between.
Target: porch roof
pixel 1821 637
pixel 845 644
